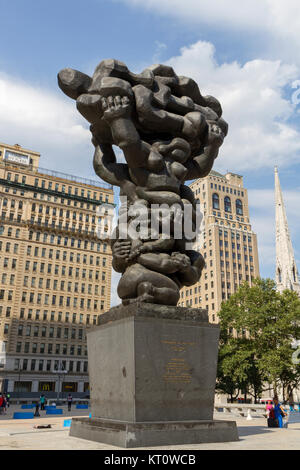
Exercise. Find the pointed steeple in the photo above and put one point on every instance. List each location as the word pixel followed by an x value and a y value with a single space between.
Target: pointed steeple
pixel 286 269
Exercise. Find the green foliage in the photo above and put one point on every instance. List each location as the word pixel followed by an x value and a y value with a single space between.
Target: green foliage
pixel 258 326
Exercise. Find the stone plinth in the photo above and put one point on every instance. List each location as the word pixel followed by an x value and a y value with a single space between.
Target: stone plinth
pixel 152 378
pixel 131 435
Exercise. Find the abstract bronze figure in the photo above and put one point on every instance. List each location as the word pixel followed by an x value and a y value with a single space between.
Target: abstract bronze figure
pixel 169 133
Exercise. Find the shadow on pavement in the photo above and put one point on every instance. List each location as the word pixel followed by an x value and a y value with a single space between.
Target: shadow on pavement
pixel 252 430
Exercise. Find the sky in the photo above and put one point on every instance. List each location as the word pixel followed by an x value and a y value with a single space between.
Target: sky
pixel 244 53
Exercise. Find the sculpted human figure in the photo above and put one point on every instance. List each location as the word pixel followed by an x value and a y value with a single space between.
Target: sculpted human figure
pixel 169 133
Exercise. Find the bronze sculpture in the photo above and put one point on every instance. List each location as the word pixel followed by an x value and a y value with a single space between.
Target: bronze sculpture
pixel 169 133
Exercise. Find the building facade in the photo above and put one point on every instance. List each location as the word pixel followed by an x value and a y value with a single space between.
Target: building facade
pixel 287 276
pixel 55 275
pixel 226 241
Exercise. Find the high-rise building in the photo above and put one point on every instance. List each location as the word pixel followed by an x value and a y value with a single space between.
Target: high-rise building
pixel 227 242
pixel 55 274
pixel 286 269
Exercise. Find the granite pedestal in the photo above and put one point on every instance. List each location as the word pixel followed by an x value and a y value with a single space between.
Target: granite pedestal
pixel 152 378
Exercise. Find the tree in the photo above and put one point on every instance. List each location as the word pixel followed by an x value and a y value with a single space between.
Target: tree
pixel 258 326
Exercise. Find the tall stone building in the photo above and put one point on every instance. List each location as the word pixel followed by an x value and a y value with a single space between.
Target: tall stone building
pixel 286 269
pixel 55 274
pixel 227 242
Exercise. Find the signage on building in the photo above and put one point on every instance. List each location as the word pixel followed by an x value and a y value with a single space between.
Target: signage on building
pixel 69 387
pixel 16 157
pixel 46 386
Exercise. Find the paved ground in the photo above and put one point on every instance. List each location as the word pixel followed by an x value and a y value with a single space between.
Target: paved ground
pixel 254 435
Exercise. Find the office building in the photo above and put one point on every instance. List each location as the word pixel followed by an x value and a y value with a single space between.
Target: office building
pixel 226 241
pixel 55 274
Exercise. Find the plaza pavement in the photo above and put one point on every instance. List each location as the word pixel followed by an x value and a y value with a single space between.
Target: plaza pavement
pixel 21 435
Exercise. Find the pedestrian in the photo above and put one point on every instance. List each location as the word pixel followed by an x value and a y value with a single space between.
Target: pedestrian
pixel 269 407
pixel 69 400
pixel 291 402
pixel 1 403
pixel 4 404
pixel 279 412
pixel 37 407
pixel 7 399
pixel 42 401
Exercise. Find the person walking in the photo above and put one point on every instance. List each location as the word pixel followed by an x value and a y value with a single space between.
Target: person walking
pixel 269 407
pixel 279 412
pixel 4 404
pixel 69 400
pixel 7 395
pixel 1 403
pixel 291 402
pixel 42 401
pixel 37 407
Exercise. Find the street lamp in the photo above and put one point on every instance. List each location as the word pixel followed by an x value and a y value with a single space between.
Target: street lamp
pixel 60 371
pixel 18 370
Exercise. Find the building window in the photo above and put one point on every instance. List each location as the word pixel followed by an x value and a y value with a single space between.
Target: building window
pixel 239 207
pixel 227 204
pixel 216 201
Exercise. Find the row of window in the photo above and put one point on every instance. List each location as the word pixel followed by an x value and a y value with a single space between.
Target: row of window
pixel 64 214
pixel 58 200
pixel 234 256
pixel 235 192
pixel 227 204
pixel 52 316
pixel 58 270
pixel 50 332
pixel 235 235
pixel 235 266
pixel 66 241
pixel 192 302
pixel 61 301
pixel 56 239
pixel 9 247
pixel 69 202
pixel 60 285
pixel 71 190
pixel 49 253
pixel 13 203
pixel 50 366
pixel 50 348
pixel 235 246
pixel 41 183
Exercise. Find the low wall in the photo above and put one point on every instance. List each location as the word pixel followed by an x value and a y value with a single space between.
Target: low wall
pixel 243 409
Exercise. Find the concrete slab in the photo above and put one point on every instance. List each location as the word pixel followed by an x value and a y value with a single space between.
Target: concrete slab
pixel 253 435
pixel 131 435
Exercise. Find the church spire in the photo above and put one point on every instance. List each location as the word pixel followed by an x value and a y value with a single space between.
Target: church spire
pixel 286 269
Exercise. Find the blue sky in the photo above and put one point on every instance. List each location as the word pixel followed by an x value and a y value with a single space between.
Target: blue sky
pixel 244 53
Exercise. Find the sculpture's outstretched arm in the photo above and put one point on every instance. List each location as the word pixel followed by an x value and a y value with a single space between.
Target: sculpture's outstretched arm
pixel 109 170
pixel 121 250
pixel 192 273
pixel 117 113
pixel 201 165
pixel 163 263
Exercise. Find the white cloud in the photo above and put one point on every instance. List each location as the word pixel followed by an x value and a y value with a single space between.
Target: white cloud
pixel 278 19
pixel 115 299
pixel 262 212
pixel 198 11
pixel 44 121
pixel 252 96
